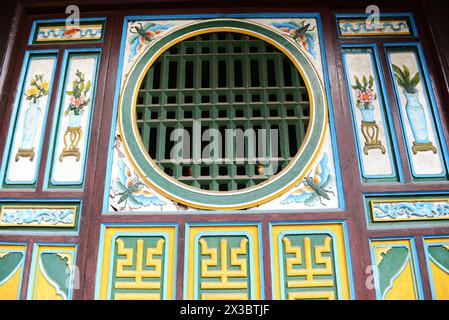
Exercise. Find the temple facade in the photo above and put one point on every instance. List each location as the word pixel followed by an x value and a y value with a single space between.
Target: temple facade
pixel 189 150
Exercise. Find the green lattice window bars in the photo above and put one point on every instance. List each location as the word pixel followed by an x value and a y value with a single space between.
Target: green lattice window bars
pixel 231 82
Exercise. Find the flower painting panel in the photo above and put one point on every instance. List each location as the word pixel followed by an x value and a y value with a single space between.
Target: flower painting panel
pixel 75 109
pixel 377 159
pixel 31 107
pixel 425 153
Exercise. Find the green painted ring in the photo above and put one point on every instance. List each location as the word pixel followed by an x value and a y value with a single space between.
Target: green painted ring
pixel 244 198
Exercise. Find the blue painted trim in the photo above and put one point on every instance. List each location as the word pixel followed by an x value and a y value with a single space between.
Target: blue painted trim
pixel 230 224
pixel 35 261
pixel 433 112
pixel 50 201
pixel 18 104
pixel 110 157
pixel 414 30
pixel 333 134
pixel 385 108
pixel 52 156
pixel 131 225
pixel 127 19
pixel 36 22
pixel 417 279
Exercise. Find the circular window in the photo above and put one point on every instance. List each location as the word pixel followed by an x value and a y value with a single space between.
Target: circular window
pixel 222 114
pixel 222 111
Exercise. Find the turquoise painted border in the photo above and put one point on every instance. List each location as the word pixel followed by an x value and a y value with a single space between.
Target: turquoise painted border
pixel 237 15
pixel 428 258
pixel 21 264
pixel 35 257
pixel 416 49
pixel 317 223
pixel 412 257
pixel 130 225
pixel 397 175
pixel 52 156
pixel 225 233
pixel 18 104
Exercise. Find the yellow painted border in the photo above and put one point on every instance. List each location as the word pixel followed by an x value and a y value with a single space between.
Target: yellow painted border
pixel 108 247
pixel 342 255
pixel 171 196
pixel 189 266
pixel 34 225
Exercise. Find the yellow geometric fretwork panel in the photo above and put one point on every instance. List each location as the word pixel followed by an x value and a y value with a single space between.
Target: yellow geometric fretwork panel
pixel 223 262
pixel 309 262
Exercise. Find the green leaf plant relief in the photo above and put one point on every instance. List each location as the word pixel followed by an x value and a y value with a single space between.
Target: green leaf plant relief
pixel 404 80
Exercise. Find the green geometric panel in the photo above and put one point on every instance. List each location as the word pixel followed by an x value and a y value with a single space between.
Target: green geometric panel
pixel 224 267
pixel 308 267
pixel 138 268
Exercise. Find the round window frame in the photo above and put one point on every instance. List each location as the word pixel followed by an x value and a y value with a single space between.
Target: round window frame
pixel 249 197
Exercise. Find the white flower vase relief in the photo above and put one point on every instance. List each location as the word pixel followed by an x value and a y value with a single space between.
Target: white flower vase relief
pixel 37 90
pixel 77 104
pixel 414 109
pixel 365 96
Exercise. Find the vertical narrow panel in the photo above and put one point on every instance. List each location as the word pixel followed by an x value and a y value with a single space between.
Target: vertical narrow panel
pixel 369 114
pixel 12 259
pixel 414 100
pixel 73 118
pixel 396 272
pixel 29 119
pixel 52 272
pixel 437 258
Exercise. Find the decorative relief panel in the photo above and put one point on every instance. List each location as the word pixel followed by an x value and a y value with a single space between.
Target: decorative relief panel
pixel 39 216
pixel 21 163
pixel 223 262
pixel 131 190
pixel 88 30
pixel 137 263
pixel 416 210
pixel 73 117
pixel 370 117
pixel 396 271
pixel 52 272
pixel 364 26
pixel 12 260
pixel 417 107
pixel 310 261
pixel 437 256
